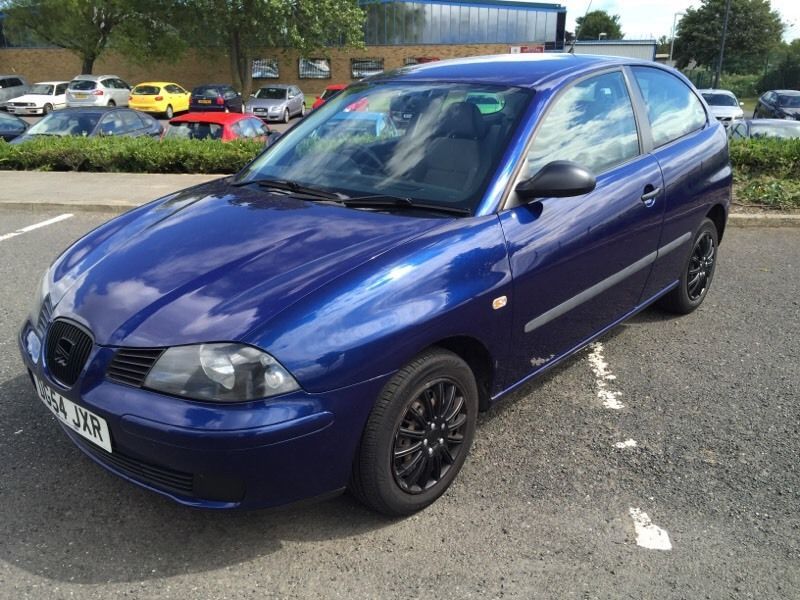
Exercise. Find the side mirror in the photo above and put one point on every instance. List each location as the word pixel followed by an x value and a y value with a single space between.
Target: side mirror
pixel 558 179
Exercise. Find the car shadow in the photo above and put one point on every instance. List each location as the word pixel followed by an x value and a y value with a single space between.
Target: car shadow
pixel 66 519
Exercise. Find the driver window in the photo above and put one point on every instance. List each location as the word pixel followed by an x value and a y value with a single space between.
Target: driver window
pixel 592 124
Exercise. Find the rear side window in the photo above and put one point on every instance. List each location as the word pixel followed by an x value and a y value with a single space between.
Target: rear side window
pixel 672 108
pixel 591 123
pixel 61 88
pixel 146 90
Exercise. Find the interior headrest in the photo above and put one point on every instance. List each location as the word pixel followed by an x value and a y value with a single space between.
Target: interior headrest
pixel 462 120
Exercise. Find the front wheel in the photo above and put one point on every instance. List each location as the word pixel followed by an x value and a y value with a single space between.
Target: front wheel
pixel 302 110
pixel 417 436
pixel 697 273
pixel 48 108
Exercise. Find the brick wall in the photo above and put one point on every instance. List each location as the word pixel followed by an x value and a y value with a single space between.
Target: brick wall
pixel 195 68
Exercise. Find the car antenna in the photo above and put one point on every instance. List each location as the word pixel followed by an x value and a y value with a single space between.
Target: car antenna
pixel 577 33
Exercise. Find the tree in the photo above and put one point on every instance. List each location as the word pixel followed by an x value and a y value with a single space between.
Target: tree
pixel 753 30
pixel 241 28
pixel 785 68
pixel 137 28
pixel 590 26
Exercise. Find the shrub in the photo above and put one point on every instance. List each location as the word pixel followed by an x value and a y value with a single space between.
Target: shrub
pixel 767 172
pixel 130 155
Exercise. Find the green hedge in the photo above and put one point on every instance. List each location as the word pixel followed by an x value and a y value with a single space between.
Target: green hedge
pixel 126 154
pixel 767 172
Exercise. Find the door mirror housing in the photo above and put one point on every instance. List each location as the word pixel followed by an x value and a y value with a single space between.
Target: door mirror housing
pixel 558 179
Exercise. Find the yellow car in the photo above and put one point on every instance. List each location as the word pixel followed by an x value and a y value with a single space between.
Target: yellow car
pixel 160 97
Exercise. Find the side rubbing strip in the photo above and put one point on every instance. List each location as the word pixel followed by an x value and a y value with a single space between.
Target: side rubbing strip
pixel 605 284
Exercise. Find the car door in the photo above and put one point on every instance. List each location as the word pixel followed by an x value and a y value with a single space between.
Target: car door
pixel 580 264
pixel 59 95
pixel 296 100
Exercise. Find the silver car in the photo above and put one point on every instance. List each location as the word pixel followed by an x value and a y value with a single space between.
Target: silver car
pixel 277 103
pixel 98 90
pixel 11 86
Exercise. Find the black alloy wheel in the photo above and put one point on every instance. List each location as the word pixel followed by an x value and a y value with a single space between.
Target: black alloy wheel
pixel 697 272
pixel 417 435
pixel 430 437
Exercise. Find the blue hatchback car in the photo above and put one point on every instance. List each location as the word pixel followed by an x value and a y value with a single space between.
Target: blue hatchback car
pixel 336 314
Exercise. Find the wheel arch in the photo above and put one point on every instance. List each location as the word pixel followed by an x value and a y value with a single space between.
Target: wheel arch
pixel 718 217
pixel 477 356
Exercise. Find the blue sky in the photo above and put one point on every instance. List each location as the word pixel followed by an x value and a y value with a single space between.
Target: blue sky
pixel 653 18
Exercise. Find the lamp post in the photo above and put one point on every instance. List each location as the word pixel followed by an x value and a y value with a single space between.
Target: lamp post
pixel 718 72
pixel 672 41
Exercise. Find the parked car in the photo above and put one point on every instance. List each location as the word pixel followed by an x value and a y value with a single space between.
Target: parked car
pixel 328 93
pixel 216 97
pixel 41 99
pixel 97 90
pixel 338 312
pixel 724 105
pixel 11 86
pixel 277 103
pixel 159 97
pixel 91 122
pixel 765 128
pixel 778 104
pixel 11 127
pixel 217 126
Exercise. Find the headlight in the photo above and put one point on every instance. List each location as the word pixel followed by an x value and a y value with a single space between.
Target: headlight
pixel 274 108
pixel 38 298
pixel 219 372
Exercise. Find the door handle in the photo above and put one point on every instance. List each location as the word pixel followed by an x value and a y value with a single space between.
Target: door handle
pixel 650 194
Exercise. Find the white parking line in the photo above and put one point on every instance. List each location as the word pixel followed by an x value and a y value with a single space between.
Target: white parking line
pixel 603 376
pixel 629 443
pixel 649 535
pixel 8 236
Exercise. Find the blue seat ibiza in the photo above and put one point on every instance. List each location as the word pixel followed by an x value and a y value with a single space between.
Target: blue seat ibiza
pixel 335 315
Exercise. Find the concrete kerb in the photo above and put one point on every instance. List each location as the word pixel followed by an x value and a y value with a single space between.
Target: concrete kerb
pixel 119 192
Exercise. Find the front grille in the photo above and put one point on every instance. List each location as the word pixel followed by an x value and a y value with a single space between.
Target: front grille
pixel 68 348
pixel 131 365
pixel 157 476
pixel 45 316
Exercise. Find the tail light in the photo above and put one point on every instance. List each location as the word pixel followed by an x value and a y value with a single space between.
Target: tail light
pixel 98 93
pixel 220 100
pixel 130 98
pixel 159 98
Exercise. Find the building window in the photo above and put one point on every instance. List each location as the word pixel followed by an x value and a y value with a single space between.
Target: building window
pixel 315 68
pixel 265 68
pixel 418 60
pixel 364 67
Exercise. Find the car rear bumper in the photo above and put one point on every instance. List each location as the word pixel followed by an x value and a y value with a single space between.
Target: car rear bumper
pixel 210 455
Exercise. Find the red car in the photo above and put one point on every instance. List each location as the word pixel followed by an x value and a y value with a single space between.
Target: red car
pixel 329 93
pixel 218 126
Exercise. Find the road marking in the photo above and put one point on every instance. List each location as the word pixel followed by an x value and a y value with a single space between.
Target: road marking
pixel 603 376
pixel 629 443
pixel 649 535
pixel 8 236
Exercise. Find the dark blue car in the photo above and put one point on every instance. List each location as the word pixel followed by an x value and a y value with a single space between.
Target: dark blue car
pixel 336 315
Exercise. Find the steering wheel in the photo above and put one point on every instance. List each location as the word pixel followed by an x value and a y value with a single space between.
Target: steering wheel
pixel 376 165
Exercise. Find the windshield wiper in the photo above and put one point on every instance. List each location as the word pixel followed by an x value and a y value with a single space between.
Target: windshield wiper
pixel 401 202
pixel 291 186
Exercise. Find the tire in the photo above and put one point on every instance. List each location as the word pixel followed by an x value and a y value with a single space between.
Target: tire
pixel 286 116
pixel 169 113
pixel 111 103
pixel 303 110
pixel 48 108
pixel 408 415
pixel 697 274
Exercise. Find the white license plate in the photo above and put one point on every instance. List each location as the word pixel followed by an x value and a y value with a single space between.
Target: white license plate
pixel 83 422
pixel 81 96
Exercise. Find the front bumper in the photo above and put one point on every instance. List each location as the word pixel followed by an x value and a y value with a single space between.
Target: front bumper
pixel 265 115
pixel 25 110
pixel 249 455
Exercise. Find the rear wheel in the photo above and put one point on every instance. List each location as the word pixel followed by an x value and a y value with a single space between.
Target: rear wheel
pixel 418 435
pixel 111 103
pixel 169 113
pixel 698 271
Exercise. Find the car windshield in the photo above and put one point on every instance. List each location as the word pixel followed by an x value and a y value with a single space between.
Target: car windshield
pixel 66 123
pixel 436 144
pixel 82 85
pixel 194 131
pixel 146 90
pixel 205 92
pixel 720 99
pixel 10 120
pixel 271 93
pixel 786 130
pixel 42 89
pixel 787 101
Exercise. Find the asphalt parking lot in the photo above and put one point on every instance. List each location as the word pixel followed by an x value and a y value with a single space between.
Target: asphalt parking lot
pixel 547 503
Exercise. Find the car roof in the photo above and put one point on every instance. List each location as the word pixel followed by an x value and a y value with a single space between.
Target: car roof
pixel 778 122
pixel 212 85
pixel 91 109
pixel 787 92
pixel 716 91
pixel 518 70
pixel 336 86
pixel 220 118
pixel 158 83
pixel 50 82
pixel 275 85
pixel 94 77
